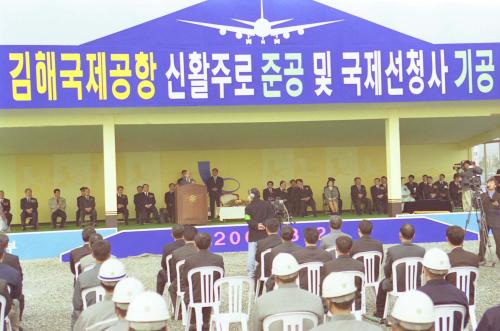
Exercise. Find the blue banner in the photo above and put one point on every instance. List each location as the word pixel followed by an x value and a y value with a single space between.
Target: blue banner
pixel 223 52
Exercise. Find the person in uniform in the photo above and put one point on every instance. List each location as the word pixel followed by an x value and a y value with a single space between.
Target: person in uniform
pixel 57 206
pixel 137 203
pixel 180 254
pixel 101 251
pixel 456 191
pixel 293 198
pixel 287 297
pixel 430 190
pixel 203 258
pixel 272 240
pixel 6 207
pixel 331 194
pixel 258 212
pixel 82 194
pixel 14 281
pixel 122 203
pixel 436 265
pixel 87 207
pixel 215 183
pixel 405 249
pixel 421 186
pixel 110 273
pixel 148 205
pixel 442 188
pixel 339 292
pixel 330 239
pixel 378 196
pixel 269 192
pixel 76 254
pixel 366 243
pixel 306 198
pixel 310 253
pixel 168 249
pixel 148 311
pixel 29 209
pixel 358 197
pixel 185 178
pixel 412 186
pixel 281 193
pixel 170 203
pixel 13 261
pixel 126 290
pixel 491 206
pixel 413 311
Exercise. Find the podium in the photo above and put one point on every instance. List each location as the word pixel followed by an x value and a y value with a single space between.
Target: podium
pixel 191 204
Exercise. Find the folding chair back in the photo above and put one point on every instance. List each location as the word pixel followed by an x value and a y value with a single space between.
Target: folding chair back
pixel 313 274
pixel 445 317
pixel 99 295
pixel 293 321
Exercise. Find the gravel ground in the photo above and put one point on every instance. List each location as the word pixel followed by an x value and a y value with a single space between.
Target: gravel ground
pixel 48 287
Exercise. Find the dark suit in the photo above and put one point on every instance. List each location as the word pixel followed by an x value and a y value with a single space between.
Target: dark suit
pixel 492 214
pixel 268 194
pixel 360 203
pixel 459 257
pixel 443 293
pixel 184 181
pixel 13 279
pixel 6 210
pixel 380 203
pixel 293 197
pixel 259 211
pixel 161 278
pixel 137 204
pixel 430 192
pixel 395 253
pixel 443 190
pixel 306 255
pixel 413 187
pixel 25 205
pixel 123 200
pixel 76 254
pixel 170 204
pixel 13 261
pixel 490 320
pixel 4 291
pixel 201 259
pixel 146 212
pixel 270 241
pixel 420 191
pixel 306 192
pixel 456 194
pixel 284 247
pixel 178 255
pixel 87 202
pixel 366 244
pixel 214 196
pixel 77 216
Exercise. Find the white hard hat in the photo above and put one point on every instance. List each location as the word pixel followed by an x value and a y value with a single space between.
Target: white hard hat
pixel 148 311
pixel 414 310
pixel 285 264
pixel 112 270
pixel 437 260
pixel 126 290
pixel 339 287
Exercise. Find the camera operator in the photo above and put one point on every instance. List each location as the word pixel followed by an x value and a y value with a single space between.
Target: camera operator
pixel 256 212
pixel 470 181
pixel 491 205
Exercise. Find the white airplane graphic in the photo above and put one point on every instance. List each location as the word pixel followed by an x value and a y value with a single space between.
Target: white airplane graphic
pixel 261 28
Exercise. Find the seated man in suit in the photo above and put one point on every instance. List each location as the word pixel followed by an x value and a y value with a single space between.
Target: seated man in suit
pixel 306 198
pixel 293 197
pixel 272 240
pixel 366 243
pixel 412 187
pixel 203 258
pixel 137 203
pixel 88 261
pixel 122 203
pixel 420 189
pixel 287 297
pixel 168 249
pixel 29 208
pixel 148 205
pixel 81 196
pixel 87 207
pixel 57 206
pixel 170 203
pixel 430 190
pixel 310 254
pixel 281 193
pixel 76 254
pixel 6 207
pixel 330 239
pixel 442 188
pixel 358 197
pixel 405 249
pixel 436 265
pixel 378 196
pixel 269 192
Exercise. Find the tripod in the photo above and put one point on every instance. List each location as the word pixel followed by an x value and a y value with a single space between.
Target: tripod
pixel 484 239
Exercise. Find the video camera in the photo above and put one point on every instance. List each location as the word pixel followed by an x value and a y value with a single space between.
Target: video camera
pixel 470 174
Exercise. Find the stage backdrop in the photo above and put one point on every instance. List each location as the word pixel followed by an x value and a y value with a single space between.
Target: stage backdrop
pixel 250 167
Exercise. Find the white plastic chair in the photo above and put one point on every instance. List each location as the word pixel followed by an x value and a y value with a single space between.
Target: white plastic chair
pixel 293 321
pixel 99 295
pixel 332 250
pixel 179 302
pixel 411 265
pixel 234 289
pixel 3 316
pixel 77 270
pixel 370 262
pixel 261 282
pixel 463 277
pixel 313 277
pixel 207 299
pixel 169 281
pixel 445 317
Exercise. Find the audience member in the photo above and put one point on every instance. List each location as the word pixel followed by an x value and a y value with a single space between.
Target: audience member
pixel 125 291
pixel 29 209
pixel 412 187
pixel 358 197
pixel 378 193
pixel 332 196
pixel 306 198
pixel 57 206
pixel 442 188
pixel 272 240
pixel 394 253
pixel 413 311
pixel 13 261
pixel 329 240
pixel 14 280
pixel 421 186
pixel 76 254
pixel 88 261
pixel 87 207
pixel 148 311
pixel 147 205
pixel 366 243
pixel 294 198
pixel 430 190
pixel 287 297
pixel 122 204
pixel 490 320
pixel 177 233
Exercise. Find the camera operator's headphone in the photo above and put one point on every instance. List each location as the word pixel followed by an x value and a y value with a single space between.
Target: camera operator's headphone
pixel 254 193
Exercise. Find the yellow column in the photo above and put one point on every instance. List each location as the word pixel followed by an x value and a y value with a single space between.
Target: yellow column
pixel 393 160
pixel 109 157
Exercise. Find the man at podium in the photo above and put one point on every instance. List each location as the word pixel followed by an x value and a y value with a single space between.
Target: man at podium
pixel 185 179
